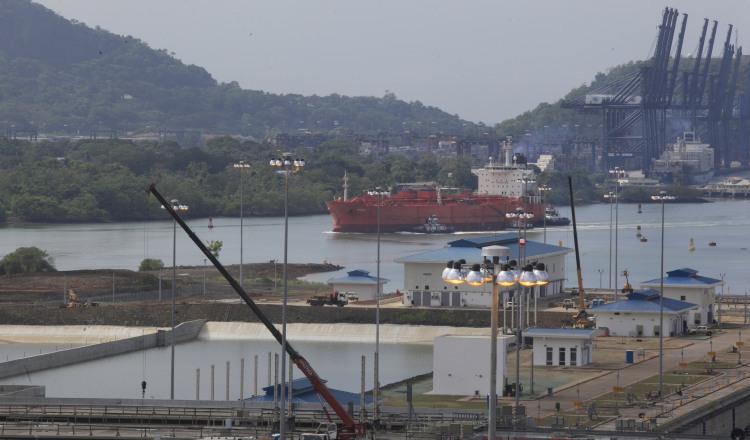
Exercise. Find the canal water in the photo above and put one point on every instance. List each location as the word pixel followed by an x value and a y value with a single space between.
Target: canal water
pixel 123 245
pixel 339 363
pixel 724 223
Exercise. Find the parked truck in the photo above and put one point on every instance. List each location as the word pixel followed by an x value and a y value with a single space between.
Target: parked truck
pixel 334 299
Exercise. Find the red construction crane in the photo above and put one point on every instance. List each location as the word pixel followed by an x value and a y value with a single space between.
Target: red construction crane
pixel 349 429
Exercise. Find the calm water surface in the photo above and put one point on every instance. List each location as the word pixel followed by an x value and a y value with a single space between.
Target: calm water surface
pixel 124 245
pixel 120 376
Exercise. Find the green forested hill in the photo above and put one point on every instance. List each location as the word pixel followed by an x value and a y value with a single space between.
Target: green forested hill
pixel 60 76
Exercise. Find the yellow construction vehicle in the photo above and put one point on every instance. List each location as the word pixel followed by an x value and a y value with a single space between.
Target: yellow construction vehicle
pixel 72 301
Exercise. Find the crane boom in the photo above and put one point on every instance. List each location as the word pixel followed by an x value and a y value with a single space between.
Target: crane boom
pixel 581 317
pixel 350 427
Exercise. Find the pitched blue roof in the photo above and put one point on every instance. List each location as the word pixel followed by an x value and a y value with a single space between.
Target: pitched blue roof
pixel 684 277
pixel 303 392
pixel 358 276
pixel 562 332
pixel 470 249
pixel 645 301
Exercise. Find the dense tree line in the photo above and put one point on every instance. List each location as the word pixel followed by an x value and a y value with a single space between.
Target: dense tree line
pixel 104 180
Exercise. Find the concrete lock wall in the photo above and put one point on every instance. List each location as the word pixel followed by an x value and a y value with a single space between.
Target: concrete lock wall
pixel 186 331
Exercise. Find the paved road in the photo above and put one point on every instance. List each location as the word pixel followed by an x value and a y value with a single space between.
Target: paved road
pixel 718 386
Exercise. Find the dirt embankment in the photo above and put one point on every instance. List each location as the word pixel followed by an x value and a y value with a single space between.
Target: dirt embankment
pixel 128 298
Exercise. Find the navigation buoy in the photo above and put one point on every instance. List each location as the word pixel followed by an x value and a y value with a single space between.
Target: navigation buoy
pixel 639 208
pixel 691 248
pixel 638 231
pixel 210 223
pixel 559 243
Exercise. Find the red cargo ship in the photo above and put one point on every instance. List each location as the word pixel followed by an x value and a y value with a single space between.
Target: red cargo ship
pixel 407 209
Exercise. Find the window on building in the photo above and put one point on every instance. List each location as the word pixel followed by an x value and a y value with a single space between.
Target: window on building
pixel 561 360
pixel 549 355
pixel 573 356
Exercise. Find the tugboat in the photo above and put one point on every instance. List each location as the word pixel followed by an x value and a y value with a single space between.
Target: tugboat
pixel 553 218
pixel 432 226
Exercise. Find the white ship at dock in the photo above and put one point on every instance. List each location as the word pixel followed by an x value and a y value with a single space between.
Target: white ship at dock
pixel 688 156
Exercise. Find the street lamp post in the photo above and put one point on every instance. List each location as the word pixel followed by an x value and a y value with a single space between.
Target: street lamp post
pixel 610 195
pixel 490 270
pixel 289 165
pixel 379 193
pixel 617 172
pixel 542 190
pixel 241 165
pixel 521 217
pixel 176 206
pixel 662 197
pixel 721 300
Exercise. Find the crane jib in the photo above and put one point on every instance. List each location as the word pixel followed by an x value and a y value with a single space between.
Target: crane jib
pixel 298 360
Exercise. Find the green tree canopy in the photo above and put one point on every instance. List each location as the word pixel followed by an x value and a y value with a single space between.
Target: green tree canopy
pixel 27 260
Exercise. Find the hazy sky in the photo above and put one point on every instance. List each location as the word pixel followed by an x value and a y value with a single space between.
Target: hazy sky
pixel 485 60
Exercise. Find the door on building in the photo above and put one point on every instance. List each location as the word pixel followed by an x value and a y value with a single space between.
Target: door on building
pixel 445 299
pixel 456 299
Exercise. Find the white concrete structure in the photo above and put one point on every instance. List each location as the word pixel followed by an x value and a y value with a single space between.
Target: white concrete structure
pixel 686 285
pixel 570 347
pixel 359 282
pixel 546 162
pixel 424 286
pixel 507 180
pixel 638 315
pixel 461 364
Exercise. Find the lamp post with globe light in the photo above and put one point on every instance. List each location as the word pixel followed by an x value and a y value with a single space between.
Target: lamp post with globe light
pixel 379 193
pixel 289 165
pixel 176 206
pixel 241 165
pixel 617 173
pixel 492 271
pixel 520 218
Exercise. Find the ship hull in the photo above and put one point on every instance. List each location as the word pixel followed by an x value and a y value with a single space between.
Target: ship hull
pixel 467 215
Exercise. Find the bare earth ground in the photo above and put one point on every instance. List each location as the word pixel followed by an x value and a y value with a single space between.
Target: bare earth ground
pixel 36 288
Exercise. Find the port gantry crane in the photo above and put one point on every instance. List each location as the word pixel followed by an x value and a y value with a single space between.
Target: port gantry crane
pixel 349 429
pixel 645 110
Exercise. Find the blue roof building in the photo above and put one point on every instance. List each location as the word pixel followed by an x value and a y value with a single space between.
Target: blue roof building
pixel 422 272
pixel 570 347
pixel 639 315
pixel 358 282
pixel 303 392
pixel 685 284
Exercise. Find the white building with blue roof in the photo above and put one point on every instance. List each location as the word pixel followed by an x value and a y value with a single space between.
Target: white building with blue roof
pixel 639 315
pixel 358 282
pixel 570 347
pixel 423 285
pixel 686 285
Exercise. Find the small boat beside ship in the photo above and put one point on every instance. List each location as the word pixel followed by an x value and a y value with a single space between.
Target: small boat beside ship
pixel 433 226
pixel 553 218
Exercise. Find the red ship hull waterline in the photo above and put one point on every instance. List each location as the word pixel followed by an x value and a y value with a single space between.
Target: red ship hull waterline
pixel 406 211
